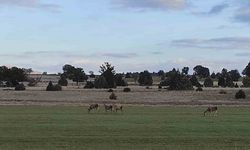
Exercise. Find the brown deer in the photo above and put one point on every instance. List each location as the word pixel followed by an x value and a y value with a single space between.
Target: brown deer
pixel 118 107
pixel 210 110
pixel 108 107
pixel 93 106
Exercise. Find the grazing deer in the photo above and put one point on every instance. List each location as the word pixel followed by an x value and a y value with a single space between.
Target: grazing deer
pixel 118 107
pixel 210 110
pixel 108 107
pixel 93 106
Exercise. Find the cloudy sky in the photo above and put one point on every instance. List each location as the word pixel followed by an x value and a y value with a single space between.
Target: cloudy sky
pixel 133 35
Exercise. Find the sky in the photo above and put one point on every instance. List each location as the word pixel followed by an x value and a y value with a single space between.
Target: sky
pixel 133 35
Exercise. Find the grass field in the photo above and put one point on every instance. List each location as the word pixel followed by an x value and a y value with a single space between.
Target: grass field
pixel 55 128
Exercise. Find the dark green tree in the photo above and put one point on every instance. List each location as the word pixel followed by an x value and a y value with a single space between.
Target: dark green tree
pixel 201 71
pixel 246 71
pixel 208 82
pixel 195 81
pixel 234 74
pixel 108 72
pixel 75 74
pixel 221 81
pixel 185 70
pixel 145 78
pixel 101 83
pixel 177 81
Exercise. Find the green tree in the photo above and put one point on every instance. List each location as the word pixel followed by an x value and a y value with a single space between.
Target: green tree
pixel 178 81
pixel 145 78
pixel 108 72
pixel 75 74
pixel 234 74
pixel 185 70
pixel 201 71
pixel 246 71
pixel 208 82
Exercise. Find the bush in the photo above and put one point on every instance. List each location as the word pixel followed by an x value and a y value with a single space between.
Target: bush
pixel 208 82
pixel 20 87
pixel 222 92
pixel 110 90
pixel 63 81
pixel 113 96
pixel 236 85
pixel 52 87
pixel 199 89
pixel 126 90
pixel 246 82
pixel 89 85
pixel 240 95
pixel 57 87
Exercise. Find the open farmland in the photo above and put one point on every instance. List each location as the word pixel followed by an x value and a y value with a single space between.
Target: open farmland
pixel 138 96
pixel 65 127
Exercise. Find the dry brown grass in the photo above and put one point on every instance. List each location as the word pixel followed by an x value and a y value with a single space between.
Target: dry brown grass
pixel 138 96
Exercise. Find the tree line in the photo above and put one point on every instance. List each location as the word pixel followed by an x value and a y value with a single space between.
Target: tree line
pixel 173 80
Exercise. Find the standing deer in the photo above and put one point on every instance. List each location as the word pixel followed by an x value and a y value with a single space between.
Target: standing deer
pixel 118 107
pixel 93 106
pixel 108 107
pixel 210 110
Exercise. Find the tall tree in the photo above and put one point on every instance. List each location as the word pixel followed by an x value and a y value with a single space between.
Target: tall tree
pixel 246 71
pixel 108 72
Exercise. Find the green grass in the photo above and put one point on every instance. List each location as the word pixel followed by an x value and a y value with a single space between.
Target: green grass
pixel 58 128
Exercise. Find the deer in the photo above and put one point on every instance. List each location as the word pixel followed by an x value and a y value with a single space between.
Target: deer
pixel 118 107
pixel 210 110
pixel 93 106
pixel 108 107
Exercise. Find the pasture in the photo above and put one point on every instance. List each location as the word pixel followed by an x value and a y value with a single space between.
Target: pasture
pixel 139 127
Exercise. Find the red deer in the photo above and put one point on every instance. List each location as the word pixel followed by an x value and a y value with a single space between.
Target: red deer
pixel 93 106
pixel 108 107
pixel 210 110
pixel 118 107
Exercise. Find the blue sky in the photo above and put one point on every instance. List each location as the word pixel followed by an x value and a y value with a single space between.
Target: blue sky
pixel 133 35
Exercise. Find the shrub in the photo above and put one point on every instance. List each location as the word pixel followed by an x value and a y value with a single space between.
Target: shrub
pixel 89 85
pixel 199 89
pixel 222 92
pixel 240 95
pixel 20 87
pixel 236 85
pixel 52 87
pixel 63 81
pixel 57 87
pixel 113 96
pixel 208 82
pixel 110 90
pixel 126 90
pixel 246 82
